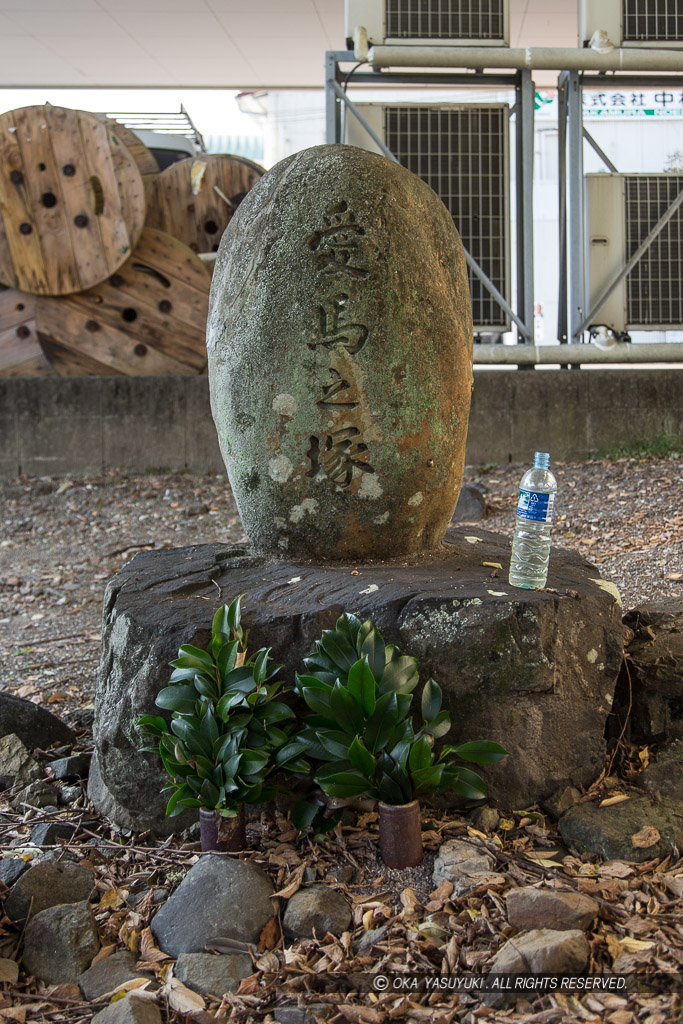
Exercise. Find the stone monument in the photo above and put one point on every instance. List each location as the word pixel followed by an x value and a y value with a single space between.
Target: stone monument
pixel 340 369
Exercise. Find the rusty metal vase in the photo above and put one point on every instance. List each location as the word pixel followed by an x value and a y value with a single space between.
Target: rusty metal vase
pixel 225 835
pixel 400 834
pixel 340 358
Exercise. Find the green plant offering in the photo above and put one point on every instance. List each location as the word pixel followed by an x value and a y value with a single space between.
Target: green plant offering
pixel 360 692
pixel 227 729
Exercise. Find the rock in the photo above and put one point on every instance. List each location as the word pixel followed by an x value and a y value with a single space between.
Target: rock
pixel 60 942
pixel 35 726
pixel 11 868
pixel 561 800
pixel 316 909
pixel 342 872
pixel 68 769
pixel 485 818
pixel 652 688
pixel 108 974
pixel 291 1014
pixel 609 831
pixel 529 908
pixel 541 951
pixel 662 780
pixel 17 767
pixel 471 505
pixel 130 1009
pixel 48 833
pixel 48 883
pixel 516 666
pixel 369 938
pixel 465 865
pixel 213 975
pixel 217 897
pixel 40 793
pixel 69 795
pixel 340 280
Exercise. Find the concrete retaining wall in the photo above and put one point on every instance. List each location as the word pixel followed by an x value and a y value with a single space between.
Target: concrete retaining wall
pixel 57 425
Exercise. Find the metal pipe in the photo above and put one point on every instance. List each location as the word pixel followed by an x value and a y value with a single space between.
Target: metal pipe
pixel 620 352
pixel 535 58
pixel 601 153
pixel 500 299
pixel 640 251
pixel 368 127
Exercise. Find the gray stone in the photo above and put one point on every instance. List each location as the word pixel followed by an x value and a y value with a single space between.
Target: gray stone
pixel 49 833
pixel 40 793
pixel 11 868
pixel 213 975
pixel 291 1014
pixel 369 938
pixel 108 974
pixel 541 951
pixel 465 865
pixel 342 872
pixel 471 505
pixel 339 343
pixel 316 909
pixel 130 1009
pixel 70 795
pixel 530 908
pixel 561 800
pixel 17 767
pixel 60 942
pixel 520 667
pixel 485 818
pixel 35 726
pixel 649 691
pixel 662 780
pixel 219 897
pixel 608 831
pixel 68 769
pixel 48 883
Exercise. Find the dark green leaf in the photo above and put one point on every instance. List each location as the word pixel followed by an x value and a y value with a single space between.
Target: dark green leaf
pixel 346 710
pixel 371 646
pixel 209 794
pixel 335 743
pixel 340 652
pixel 220 627
pixel 259 665
pixel 234 613
pixel 390 791
pixel 440 725
pixel 155 725
pixel 361 758
pixel 431 700
pixel 427 779
pixel 343 784
pixel 205 686
pixel 318 701
pixel 420 755
pixel 381 722
pixel 209 731
pixel 361 685
pixel 182 791
pixel 465 782
pixel 303 814
pixel 348 625
pixel 481 752
pixel 177 698
pixel 276 711
pixel 225 659
pixel 400 674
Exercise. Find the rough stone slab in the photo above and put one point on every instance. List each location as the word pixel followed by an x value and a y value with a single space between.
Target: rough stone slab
pixel 608 831
pixel 219 897
pixel 213 975
pixel 35 726
pixel 11 868
pixel 318 909
pixel 49 833
pixel 17 767
pixel 108 974
pixel 533 670
pixel 47 884
pixel 68 769
pixel 541 951
pixel 464 864
pixel 663 779
pixel 530 908
pixel 60 942
pixel 130 1009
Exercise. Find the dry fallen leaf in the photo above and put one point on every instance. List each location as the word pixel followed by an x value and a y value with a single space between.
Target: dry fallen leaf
pixel 294 884
pixel 181 998
pixel 270 935
pixel 617 799
pixel 9 970
pixel 149 952
pixel 647 837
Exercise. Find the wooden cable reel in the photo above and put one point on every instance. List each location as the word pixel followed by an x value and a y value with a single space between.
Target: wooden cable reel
pixel 72 202
pixel 144 158
pixel 148 318
pixel 194 200
pixel 20 351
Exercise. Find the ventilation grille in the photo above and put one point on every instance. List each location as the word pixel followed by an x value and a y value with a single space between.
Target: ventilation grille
pixel 654 288
pixel 462 153
pixel 445 19
pixel 652 21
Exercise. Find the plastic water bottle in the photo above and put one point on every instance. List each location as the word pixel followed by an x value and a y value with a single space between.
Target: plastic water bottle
pixel 531 543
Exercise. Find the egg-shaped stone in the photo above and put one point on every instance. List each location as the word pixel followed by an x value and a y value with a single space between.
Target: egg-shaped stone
pixel 340 358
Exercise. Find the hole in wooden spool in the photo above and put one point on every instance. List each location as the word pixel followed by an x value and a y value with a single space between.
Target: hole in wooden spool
pixel 165 306
pixel 142 268
pixel 23 332
pixel 16 177
pixel 98 193
pixel 129 315
pixel 81 221
pixel 48 199
pixel 68 170
pixel 92 326
pixel 20 306
pixel 25 228
pixel 42 167
pixel 211 227
pixel 140 350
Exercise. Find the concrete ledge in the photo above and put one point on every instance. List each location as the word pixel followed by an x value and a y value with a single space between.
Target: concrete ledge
pixel 51 426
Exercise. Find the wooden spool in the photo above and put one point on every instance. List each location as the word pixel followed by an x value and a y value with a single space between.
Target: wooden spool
pixel 144 158
pixel 149 318
pixel 72 202
pixel 20 351
pixel 184 202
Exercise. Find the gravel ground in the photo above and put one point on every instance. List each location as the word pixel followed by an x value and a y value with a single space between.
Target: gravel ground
pixel 63 539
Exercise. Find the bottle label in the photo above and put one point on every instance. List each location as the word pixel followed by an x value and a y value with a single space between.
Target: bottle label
pixel 536 505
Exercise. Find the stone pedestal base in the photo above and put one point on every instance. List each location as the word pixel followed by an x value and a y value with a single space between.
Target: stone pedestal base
pixel 534 670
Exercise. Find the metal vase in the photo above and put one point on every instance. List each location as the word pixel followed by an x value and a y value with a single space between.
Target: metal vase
pixel 225 835
pixel 400 834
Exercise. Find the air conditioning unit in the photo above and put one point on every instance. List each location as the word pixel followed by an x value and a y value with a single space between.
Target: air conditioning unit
pixel 645 23
pixel 621 210
pixel 430 22
pixel 462 151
